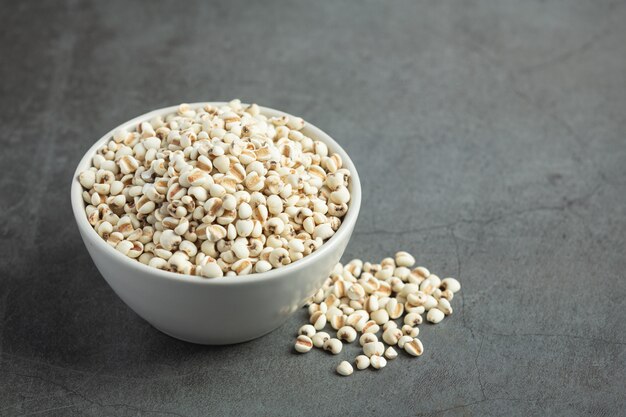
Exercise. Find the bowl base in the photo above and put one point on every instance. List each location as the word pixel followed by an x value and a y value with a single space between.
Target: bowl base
pixel 209 342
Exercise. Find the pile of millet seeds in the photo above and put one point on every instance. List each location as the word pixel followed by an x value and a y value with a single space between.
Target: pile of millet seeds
pixel 367 298
pixel 216 190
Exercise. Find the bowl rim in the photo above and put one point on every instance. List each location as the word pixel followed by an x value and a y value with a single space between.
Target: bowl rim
pixel 89 233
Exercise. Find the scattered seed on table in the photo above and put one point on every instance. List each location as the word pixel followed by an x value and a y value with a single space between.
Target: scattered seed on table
pixel 334 346
pixel 373 348
pixel 414 347
pixel 344 368
pixel 367 338
pixel 435 315
pixel 362 362
pixel 346 333
pixel 391 353
pixel 303 344
pixel 403 340
pixel 318 320
pixel 451 284
pixel 307 330
pixel 378 362
pixel 319 339
pixel 392 335
pixel 361 298
pixel 410 331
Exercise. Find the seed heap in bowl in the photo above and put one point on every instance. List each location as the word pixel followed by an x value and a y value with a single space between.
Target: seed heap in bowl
pixel 369 298
pixel 215 191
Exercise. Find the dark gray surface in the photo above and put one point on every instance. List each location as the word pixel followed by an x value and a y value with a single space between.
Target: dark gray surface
pixel 490 140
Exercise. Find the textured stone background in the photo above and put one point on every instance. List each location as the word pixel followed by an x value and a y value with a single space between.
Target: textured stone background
pixel 490 140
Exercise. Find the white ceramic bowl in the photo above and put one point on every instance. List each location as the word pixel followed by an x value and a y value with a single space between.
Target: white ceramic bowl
pixel 219 310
